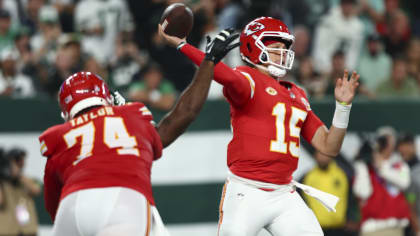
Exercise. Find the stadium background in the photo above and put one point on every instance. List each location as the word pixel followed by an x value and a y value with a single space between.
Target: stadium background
pixel 188 179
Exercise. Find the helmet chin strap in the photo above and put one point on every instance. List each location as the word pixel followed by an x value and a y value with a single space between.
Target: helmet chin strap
pixel 274 71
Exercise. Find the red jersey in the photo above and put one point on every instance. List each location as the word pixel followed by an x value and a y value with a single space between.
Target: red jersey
pixel 105 147
pixel 382 204
pixel 266 129
pixel 267 118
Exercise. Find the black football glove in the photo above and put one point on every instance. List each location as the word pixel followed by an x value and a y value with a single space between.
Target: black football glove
pixel 217 48
pixel 119 100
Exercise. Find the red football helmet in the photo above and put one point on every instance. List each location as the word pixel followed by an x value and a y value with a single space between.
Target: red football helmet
pixel 82 90
pixel 256 37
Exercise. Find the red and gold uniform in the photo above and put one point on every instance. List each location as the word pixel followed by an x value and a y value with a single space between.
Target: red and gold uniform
pixel 268 117
pixel 105 147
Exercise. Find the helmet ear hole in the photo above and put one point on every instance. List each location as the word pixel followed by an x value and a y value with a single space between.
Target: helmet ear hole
pixel 264 57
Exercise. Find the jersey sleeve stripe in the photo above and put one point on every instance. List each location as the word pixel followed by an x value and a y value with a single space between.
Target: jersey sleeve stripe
pixel 251 82
pixel 44 148
pixel 145 111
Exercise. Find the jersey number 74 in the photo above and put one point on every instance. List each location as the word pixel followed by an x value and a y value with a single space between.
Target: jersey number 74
pixel 115 135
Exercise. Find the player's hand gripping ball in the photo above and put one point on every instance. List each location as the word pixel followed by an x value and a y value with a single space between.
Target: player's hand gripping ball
pixel 177 20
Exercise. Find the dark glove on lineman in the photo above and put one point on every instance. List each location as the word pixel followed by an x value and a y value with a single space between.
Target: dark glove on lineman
pixel 119 100
pixel 217 48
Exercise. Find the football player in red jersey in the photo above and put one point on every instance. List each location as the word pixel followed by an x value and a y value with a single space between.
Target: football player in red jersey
pixel 97 176
pixel 268 117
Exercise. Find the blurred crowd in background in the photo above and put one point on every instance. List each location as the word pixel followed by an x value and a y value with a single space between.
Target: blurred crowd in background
pixel 379 188
pixel 42 42
pixel 18 214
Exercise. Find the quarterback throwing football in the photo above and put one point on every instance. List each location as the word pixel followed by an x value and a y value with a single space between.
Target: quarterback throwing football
pixel 269 115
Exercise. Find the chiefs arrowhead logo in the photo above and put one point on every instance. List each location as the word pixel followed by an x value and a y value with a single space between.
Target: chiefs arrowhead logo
pixel 253 27
pixel 271 91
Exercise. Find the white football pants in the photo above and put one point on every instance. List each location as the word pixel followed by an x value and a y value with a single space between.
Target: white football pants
pixel 245 210
pixel 109 211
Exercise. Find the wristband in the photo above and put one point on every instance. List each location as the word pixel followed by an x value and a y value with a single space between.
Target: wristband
pixel 180 45
pixel 341 115
pixel 343 103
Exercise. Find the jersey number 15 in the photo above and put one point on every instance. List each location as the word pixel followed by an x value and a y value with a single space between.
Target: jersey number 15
pixel 280 145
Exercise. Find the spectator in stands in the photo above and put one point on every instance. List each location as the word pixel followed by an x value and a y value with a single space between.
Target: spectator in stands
pixel 379 184
pixel 172 62
pixel 45 42
pixel 317 9
pixel 374 65
pixel 95 67
pixel 230 13
pixel 299 11
pixel 208 10
pixel 300 46
pixel 413 57
pixel 12 82
pixel 398 36
pixel 23 47
pixel 30 15
pixel 100 23
pixel 399 84
pixel 366 9
pixel 153 89
pixel 12 7
pixel 71 41
pixel 7 32
pixel 119 21
pixel 330 177
pixel 18 215
pixel 66 11
pixel 90 22
pixel 339 30
pixel 407 149
pixel 311 81
pixel 128 60
pixel 379 12
pixel 338 65
pixel 392 24
pixel 67 62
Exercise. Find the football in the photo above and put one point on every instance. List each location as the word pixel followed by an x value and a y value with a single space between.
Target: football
pixel 177 20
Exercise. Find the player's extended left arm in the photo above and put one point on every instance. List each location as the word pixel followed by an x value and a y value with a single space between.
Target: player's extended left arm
pixel 329 141
pixel 194 96
pixel 52 191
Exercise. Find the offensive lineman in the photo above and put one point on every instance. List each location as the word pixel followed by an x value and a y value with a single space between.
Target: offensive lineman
pixel 97 176
pixel 268 115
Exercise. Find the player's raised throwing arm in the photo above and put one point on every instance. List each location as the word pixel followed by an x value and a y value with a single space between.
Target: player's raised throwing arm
pixel 237 87
pixel 194 96
pixel 329 141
